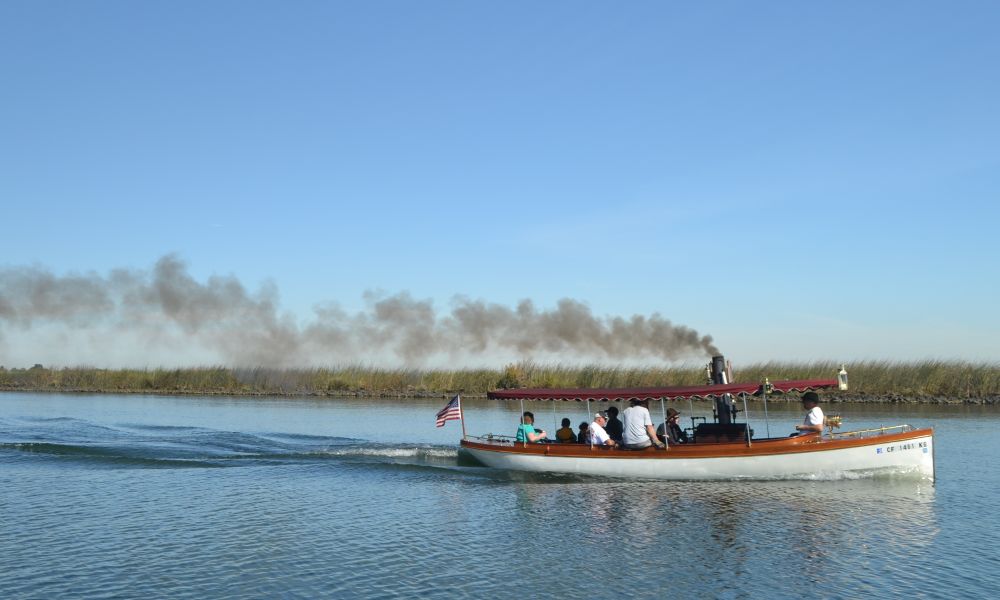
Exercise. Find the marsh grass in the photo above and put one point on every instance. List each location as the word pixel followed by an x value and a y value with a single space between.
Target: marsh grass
pixel 930 378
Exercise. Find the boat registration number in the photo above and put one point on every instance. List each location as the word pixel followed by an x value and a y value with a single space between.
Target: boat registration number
pixel 901 447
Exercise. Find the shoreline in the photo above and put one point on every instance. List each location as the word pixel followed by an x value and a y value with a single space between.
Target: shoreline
pixel 871 381
pixel 828 398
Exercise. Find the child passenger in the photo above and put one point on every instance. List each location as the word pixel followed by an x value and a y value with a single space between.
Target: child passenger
pixel 565 434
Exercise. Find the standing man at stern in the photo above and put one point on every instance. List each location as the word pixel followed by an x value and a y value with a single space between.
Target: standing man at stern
pixel 814 420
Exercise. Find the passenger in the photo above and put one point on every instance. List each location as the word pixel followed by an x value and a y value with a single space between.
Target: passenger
pixel 614 427
pixel 565 434
pixel 638 432
pixel 526 431
pixel 598 435
pixel 584 436
pixel 814 420
pixel 671 432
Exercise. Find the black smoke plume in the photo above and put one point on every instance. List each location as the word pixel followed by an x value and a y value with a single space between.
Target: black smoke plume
pixel 248 328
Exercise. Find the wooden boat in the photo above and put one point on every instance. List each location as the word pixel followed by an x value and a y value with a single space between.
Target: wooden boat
pixel 721 450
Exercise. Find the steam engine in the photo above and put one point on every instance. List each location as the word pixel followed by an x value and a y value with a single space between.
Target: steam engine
pixel 725 428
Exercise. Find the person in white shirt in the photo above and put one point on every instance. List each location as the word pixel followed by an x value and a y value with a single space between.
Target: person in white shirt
pixel 638 432
pixel 814 420
pixel 598 436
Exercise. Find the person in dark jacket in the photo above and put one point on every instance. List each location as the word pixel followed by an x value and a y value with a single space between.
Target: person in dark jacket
pixel 614 426
pixel 671 432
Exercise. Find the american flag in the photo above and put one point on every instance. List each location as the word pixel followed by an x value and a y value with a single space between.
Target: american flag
pixel 451 412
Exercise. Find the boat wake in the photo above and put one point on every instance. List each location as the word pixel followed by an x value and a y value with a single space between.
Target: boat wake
pixel 902 473
pixel 145 446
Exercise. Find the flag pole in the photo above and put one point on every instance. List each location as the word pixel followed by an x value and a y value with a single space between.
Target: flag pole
pixel 461 414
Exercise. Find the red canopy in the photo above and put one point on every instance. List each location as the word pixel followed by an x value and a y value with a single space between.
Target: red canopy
pixel 667 393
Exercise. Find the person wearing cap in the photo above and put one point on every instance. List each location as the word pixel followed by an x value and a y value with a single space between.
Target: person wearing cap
pixel 814 420
pixel 526 431
pixel 638 430
pixel 598 436
pixel 670 431
pixel 565 433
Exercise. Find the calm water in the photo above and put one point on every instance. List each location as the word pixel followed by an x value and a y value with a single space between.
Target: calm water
pixel 143 497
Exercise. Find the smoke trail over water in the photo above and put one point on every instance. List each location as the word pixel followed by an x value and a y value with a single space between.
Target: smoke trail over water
pixel 222 318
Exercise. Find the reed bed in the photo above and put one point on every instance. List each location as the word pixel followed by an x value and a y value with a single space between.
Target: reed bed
pixel 869 379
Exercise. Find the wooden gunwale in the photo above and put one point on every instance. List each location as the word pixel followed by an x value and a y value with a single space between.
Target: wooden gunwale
pixel 769 447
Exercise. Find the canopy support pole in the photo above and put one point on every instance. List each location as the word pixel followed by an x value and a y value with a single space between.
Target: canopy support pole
pixel 554 427
pixel 767 420
pixel 589 416
pixel 746 415
pixel 521 421
pixel 663 419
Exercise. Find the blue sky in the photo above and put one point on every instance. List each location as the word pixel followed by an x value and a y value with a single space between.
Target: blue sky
pixel 799 180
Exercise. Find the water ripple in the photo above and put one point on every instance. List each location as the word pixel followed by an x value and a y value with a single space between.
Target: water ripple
pixel 113 510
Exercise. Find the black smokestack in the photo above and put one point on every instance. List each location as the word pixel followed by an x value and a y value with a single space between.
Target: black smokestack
pixel 718 368
pixel 221 317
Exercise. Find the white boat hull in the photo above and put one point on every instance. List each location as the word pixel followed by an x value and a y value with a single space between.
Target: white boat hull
pixel 914 455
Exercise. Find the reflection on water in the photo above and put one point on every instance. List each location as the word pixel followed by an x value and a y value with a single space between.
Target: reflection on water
pixel 192 498
pixel 731 531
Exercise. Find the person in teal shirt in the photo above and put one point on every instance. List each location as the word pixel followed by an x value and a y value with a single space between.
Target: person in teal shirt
pixel 526 431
